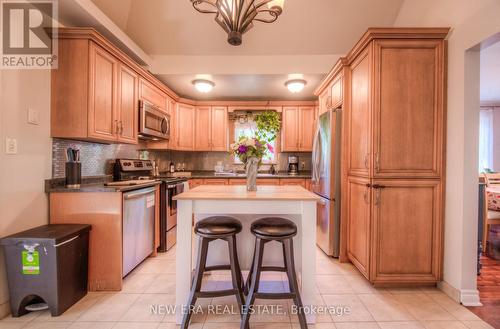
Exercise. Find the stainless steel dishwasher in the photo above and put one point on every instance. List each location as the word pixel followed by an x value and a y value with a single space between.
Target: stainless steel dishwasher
pixel 138 226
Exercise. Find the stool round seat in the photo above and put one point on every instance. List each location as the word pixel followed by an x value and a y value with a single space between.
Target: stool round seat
pixel 274 227
pixel 218 226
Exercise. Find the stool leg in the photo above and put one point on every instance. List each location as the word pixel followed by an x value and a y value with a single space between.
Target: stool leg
pixel 290 284
pixel 250 272
pixel 292 279
pixel 254 286
pixel 197 280
pixel 235 271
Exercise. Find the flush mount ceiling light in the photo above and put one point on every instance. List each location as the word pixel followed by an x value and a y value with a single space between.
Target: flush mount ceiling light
pixel 236 16
pixel 203 86
pixel 296 85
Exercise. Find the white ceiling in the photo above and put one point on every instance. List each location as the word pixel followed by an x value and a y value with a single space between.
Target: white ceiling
pixel 307 38
pixel 490 74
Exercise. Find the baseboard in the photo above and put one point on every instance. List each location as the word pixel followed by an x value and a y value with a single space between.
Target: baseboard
pixel 4 310
pixel 470 297
pixel 463 296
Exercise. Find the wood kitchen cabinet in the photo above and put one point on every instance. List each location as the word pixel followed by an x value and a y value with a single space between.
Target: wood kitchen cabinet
pixel 185 133
pixel 195 182
pixel 94 95
pixel 211 128
pixel 153 95
pixel 406 231
pixel 293 181
pixel 393 159
pixel 297 130
pixel 358 227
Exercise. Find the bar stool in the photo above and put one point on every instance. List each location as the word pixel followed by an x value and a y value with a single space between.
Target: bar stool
pixel 267 230
pixel 210 229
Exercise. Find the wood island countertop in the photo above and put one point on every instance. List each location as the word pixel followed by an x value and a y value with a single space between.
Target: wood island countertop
pixel 239 192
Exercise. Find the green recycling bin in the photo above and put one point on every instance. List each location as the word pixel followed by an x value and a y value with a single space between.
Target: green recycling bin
pixel 47 264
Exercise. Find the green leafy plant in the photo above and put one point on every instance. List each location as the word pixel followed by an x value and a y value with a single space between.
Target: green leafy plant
pixel 268 125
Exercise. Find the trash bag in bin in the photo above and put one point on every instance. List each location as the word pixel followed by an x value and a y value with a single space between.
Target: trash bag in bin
pixel 47 264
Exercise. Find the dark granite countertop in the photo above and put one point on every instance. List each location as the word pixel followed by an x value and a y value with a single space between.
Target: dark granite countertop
pixel 91 184
pixel 211 174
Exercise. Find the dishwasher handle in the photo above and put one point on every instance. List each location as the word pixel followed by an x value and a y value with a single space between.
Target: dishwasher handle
pixel 138 193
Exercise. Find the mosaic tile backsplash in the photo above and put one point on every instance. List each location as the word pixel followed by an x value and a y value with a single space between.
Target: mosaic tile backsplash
pixel 97 159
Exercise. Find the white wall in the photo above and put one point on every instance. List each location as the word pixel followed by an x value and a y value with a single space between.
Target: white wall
pixel 496 139
pixel 471 23
pixel 23 203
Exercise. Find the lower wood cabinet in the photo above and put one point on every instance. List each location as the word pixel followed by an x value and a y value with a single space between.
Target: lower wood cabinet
pixel 358 224
pixel 394 230
pixel 293 181
pixel 195 182
pixel 242 181
pixel 406 231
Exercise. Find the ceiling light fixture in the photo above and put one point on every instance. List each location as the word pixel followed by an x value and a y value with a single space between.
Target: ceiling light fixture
pixel 296 85
pixel 236 16
pixel 203 86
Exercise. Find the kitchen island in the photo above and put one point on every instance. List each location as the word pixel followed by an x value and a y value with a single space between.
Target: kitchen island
pixel 292 202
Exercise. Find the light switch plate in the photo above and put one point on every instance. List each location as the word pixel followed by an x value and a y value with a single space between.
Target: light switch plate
pixel 33 117
pixel 10 145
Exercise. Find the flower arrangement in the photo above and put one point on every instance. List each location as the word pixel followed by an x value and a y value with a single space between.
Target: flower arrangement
pixel 247 147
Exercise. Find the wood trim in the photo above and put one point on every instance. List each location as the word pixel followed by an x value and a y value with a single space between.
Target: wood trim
pixel 332 75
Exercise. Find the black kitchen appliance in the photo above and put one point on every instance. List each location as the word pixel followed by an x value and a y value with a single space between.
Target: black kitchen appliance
pixel 293 165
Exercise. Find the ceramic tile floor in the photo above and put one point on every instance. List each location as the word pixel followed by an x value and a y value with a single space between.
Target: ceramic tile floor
pixel 153 283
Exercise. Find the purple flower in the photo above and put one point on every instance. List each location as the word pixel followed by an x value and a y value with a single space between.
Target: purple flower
pixel 242 149
pixel 257 143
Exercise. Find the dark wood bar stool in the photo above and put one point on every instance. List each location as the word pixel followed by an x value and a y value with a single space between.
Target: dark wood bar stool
pixel 267 230
pixel 210 229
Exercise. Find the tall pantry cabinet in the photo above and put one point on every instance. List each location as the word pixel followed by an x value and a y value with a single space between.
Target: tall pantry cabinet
pixel 395 135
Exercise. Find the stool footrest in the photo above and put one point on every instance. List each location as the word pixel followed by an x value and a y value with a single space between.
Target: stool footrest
pixel 215 293
pixel 273 269
pixel 274 295
pixel 217 268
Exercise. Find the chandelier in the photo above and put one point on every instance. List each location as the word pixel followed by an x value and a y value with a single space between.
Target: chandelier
pixel 237 16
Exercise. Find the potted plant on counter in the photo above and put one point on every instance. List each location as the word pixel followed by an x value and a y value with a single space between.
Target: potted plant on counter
pixel 250 151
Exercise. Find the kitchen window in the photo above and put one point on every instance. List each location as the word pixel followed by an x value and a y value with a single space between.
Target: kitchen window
pixel 247 128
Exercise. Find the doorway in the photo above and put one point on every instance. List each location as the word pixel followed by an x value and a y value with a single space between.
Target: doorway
pixel 488 278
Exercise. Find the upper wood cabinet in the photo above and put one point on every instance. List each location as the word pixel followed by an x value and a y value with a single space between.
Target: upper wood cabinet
pixel 202 128
pixel 103 112
pixel 152 94
pixel 211 129
pixel 408 108
pixel 324 100
pixel 336 92
pixel 127 105
pixel 219 129
pixel 94 95
pixel 297 130
pixel 185 120
pixel 359 116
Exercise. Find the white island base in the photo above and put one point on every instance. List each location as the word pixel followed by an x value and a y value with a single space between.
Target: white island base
pixel 291 202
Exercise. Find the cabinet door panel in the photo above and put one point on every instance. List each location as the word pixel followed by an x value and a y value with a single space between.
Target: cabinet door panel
pixel 293 181
pixel 102 94
pixel 323 100
pixel 152 94
pixel 219 129
pixel 185 127
pixel 290 129
pixel 337 92
pixel 358 223
pixel 407 231
pixel 408 109
pixel 195 182
pixel 216 181
pixel 128 106
pixel 306 128
pixel 359 117
pixel 202 128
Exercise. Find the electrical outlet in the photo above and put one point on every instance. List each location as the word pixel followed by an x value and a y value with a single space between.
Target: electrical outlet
pixel 10 145
pixel 33 117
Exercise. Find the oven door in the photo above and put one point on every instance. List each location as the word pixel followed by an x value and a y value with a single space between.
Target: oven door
pixel 172 191
pixel 153 123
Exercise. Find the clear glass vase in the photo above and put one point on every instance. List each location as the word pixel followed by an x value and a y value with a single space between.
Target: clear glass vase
pixel 251 168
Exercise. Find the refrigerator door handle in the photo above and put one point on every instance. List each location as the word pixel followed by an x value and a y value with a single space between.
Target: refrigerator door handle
pixel 315 159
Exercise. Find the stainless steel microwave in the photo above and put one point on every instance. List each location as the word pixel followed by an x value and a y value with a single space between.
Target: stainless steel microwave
pixel 153 123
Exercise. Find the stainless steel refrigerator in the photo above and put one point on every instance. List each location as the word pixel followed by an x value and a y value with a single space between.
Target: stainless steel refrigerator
pixel 326 180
